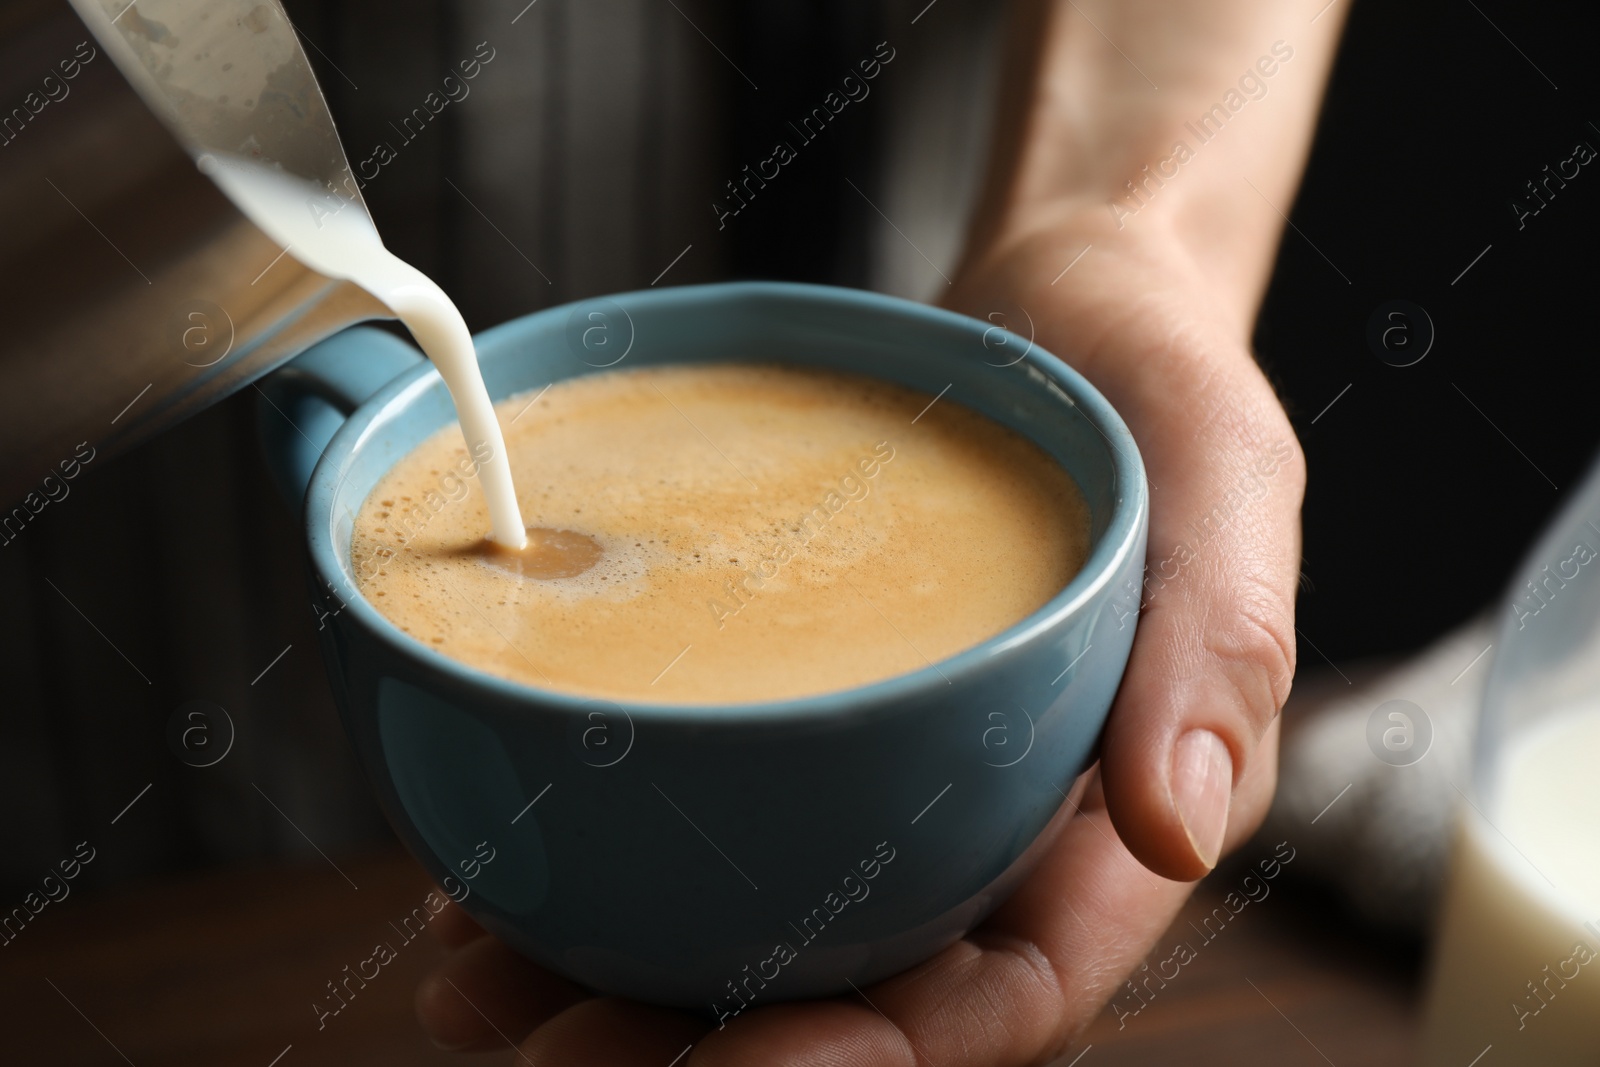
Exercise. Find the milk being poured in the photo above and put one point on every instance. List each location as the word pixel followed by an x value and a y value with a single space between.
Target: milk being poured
pixel 335 237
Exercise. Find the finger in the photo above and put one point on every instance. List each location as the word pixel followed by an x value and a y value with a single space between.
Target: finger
pixel 453 927
pixel 1021 986
pixel 1253 795
pixel 613 1032
pixel 830 1033
pixel 1015 991
pixel 486 995
pixel 1215 651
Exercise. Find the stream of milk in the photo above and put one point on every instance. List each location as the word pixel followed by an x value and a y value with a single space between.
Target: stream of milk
pixel 334 236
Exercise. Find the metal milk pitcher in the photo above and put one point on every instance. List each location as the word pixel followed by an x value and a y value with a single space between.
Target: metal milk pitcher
pixel 133 291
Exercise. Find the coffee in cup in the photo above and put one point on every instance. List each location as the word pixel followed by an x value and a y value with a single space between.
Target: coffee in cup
pixel 723 533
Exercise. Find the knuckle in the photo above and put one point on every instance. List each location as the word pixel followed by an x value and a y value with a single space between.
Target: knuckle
pixel 1255 648
pixel 1016 968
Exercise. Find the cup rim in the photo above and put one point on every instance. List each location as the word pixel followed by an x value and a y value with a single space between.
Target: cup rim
pixel 1123 533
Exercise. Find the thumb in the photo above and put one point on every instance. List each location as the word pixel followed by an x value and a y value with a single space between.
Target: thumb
pixel 1184 766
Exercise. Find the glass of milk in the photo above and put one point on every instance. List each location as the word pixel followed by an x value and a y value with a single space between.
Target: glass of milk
pixel 1516 964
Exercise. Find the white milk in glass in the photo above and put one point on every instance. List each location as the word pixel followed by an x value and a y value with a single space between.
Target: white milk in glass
pixel 333 236
pixel 1517 964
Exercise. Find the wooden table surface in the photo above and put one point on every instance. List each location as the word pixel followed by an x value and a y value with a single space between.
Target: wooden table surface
pixel 222 970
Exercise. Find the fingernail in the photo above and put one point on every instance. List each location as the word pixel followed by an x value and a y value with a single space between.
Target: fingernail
pixel 443 1041
pixel 426 1007
pixel 1202 787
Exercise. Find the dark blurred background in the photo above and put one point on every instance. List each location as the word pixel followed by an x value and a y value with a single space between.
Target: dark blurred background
pixel 586 160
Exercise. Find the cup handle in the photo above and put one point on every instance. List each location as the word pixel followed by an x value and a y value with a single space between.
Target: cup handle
pixel 304 403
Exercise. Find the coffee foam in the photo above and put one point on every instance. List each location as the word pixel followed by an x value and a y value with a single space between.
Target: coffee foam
pixel 767 532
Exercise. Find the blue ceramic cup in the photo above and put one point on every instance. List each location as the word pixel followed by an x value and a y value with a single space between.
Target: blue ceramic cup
pixel 720 856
